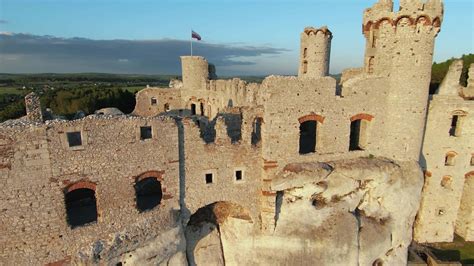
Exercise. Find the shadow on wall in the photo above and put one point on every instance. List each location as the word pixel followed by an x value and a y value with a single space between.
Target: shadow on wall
pixel 203 230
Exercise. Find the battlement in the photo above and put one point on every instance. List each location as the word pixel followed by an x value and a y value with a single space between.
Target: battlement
pixel 413 12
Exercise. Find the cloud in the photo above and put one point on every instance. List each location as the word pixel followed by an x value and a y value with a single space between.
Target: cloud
pixel 54 54
pixel 3 21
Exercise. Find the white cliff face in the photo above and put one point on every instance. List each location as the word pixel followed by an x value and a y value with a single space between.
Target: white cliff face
pixel 352 212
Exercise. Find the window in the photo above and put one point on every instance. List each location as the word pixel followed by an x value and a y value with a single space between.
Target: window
pixel 193 109
pixel 74 138
pixel 305 52
pixel 440 211
pixel 308 136
pixel 449 159
pixel 257 130
pixel 81 207
pixel 305 67
pixel 370 65
pixel 457 120
pixel 446 181
pixel 472 160
pixel 154 101
pixel 209 177
pixel 238 175
pixel 148 193
pixel 202 108
pixel 145 132
pixel 167 107
pixel 358 135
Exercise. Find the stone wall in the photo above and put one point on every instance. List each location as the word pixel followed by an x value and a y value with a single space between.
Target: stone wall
pixel 447 159
pixel 41 167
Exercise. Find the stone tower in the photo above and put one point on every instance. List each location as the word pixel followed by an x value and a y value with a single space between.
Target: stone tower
pixel 399 47
pixel 315 52
pixel 33 107
pixel 195 71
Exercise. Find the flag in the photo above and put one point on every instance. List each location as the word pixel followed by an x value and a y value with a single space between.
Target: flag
pixel 195 35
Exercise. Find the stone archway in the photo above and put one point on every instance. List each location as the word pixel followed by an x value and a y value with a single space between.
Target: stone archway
pixel 208 229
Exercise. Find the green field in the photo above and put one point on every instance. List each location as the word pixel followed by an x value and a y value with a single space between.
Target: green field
pixel 458 250
pixel 12 90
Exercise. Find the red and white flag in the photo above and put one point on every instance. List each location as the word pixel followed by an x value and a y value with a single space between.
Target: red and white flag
pixel 195 35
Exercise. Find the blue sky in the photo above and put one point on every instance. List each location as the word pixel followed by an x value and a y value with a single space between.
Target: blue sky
pixel 271 27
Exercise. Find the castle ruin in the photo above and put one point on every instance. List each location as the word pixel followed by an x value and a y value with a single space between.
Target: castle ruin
pixel 286 171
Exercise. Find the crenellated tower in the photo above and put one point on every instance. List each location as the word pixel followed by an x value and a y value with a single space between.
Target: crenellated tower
pixel 315 52
pixel 399 47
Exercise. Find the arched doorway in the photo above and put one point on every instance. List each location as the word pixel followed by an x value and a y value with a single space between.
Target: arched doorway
pixel 148 191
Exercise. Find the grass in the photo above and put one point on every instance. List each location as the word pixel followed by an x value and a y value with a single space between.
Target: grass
pixel 12 90
pixel 458 250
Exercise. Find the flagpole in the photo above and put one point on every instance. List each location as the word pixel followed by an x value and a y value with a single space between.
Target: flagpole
pixel 191 42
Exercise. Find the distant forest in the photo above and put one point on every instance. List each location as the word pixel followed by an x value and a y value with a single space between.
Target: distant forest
pixel 66 94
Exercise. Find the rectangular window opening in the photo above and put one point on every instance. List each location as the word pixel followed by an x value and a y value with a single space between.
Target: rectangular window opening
pixel 193 109
pixel 238 175
pixel 356 136
pixel 154 101
pixel 145 132
pixel 308 133
pixel 209 178
pixel 74 138
pixel 455 129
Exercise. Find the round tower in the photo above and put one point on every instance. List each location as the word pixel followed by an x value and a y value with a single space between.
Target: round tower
pixel 315 52
pixel 399 48
pixel 195 72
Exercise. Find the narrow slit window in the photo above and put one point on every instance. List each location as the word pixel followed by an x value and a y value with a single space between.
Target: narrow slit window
pixel 256 131
pixel 305 67
pixel 472 160
pixel 74 139
pixel 456 123
pixel 305 52
pixel 202 108
pixel 209 178
pixel 193 109
pixel 145 132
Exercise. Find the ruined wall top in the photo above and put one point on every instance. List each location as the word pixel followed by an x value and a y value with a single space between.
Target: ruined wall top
pixel 450 86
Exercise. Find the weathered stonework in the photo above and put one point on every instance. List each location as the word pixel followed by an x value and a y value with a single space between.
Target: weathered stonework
pixel 295 170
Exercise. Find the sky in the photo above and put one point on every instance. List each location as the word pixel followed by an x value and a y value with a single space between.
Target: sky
pixel 241 37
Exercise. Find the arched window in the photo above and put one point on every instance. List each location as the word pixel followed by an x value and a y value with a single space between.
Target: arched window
pixel 358 137
pixel 257 130
pixel 370 65
pixel 167 107
pixel 309 133
pixel 81 206
pixel 148 191
pixel 449 159
pixel 457 122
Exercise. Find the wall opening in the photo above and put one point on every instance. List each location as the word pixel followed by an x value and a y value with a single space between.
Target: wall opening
pixel 449 159
pixel 472 160
pixel 370 65
pixel 358 135
pixel 308 131
pixel 456 123
pixel 81 207
pixel 446 181
pixel 238 175
pixel 209 178
pixel 154 101
pixel 145 132
pixel 202 108
pixel 257 131
pixel 148 193
pixel 167 107
pixel 305 52
pixel 305 67
pixel 74 138
pixel 193 109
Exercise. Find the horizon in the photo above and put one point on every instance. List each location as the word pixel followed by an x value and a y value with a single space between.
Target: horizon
pixel 253 39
